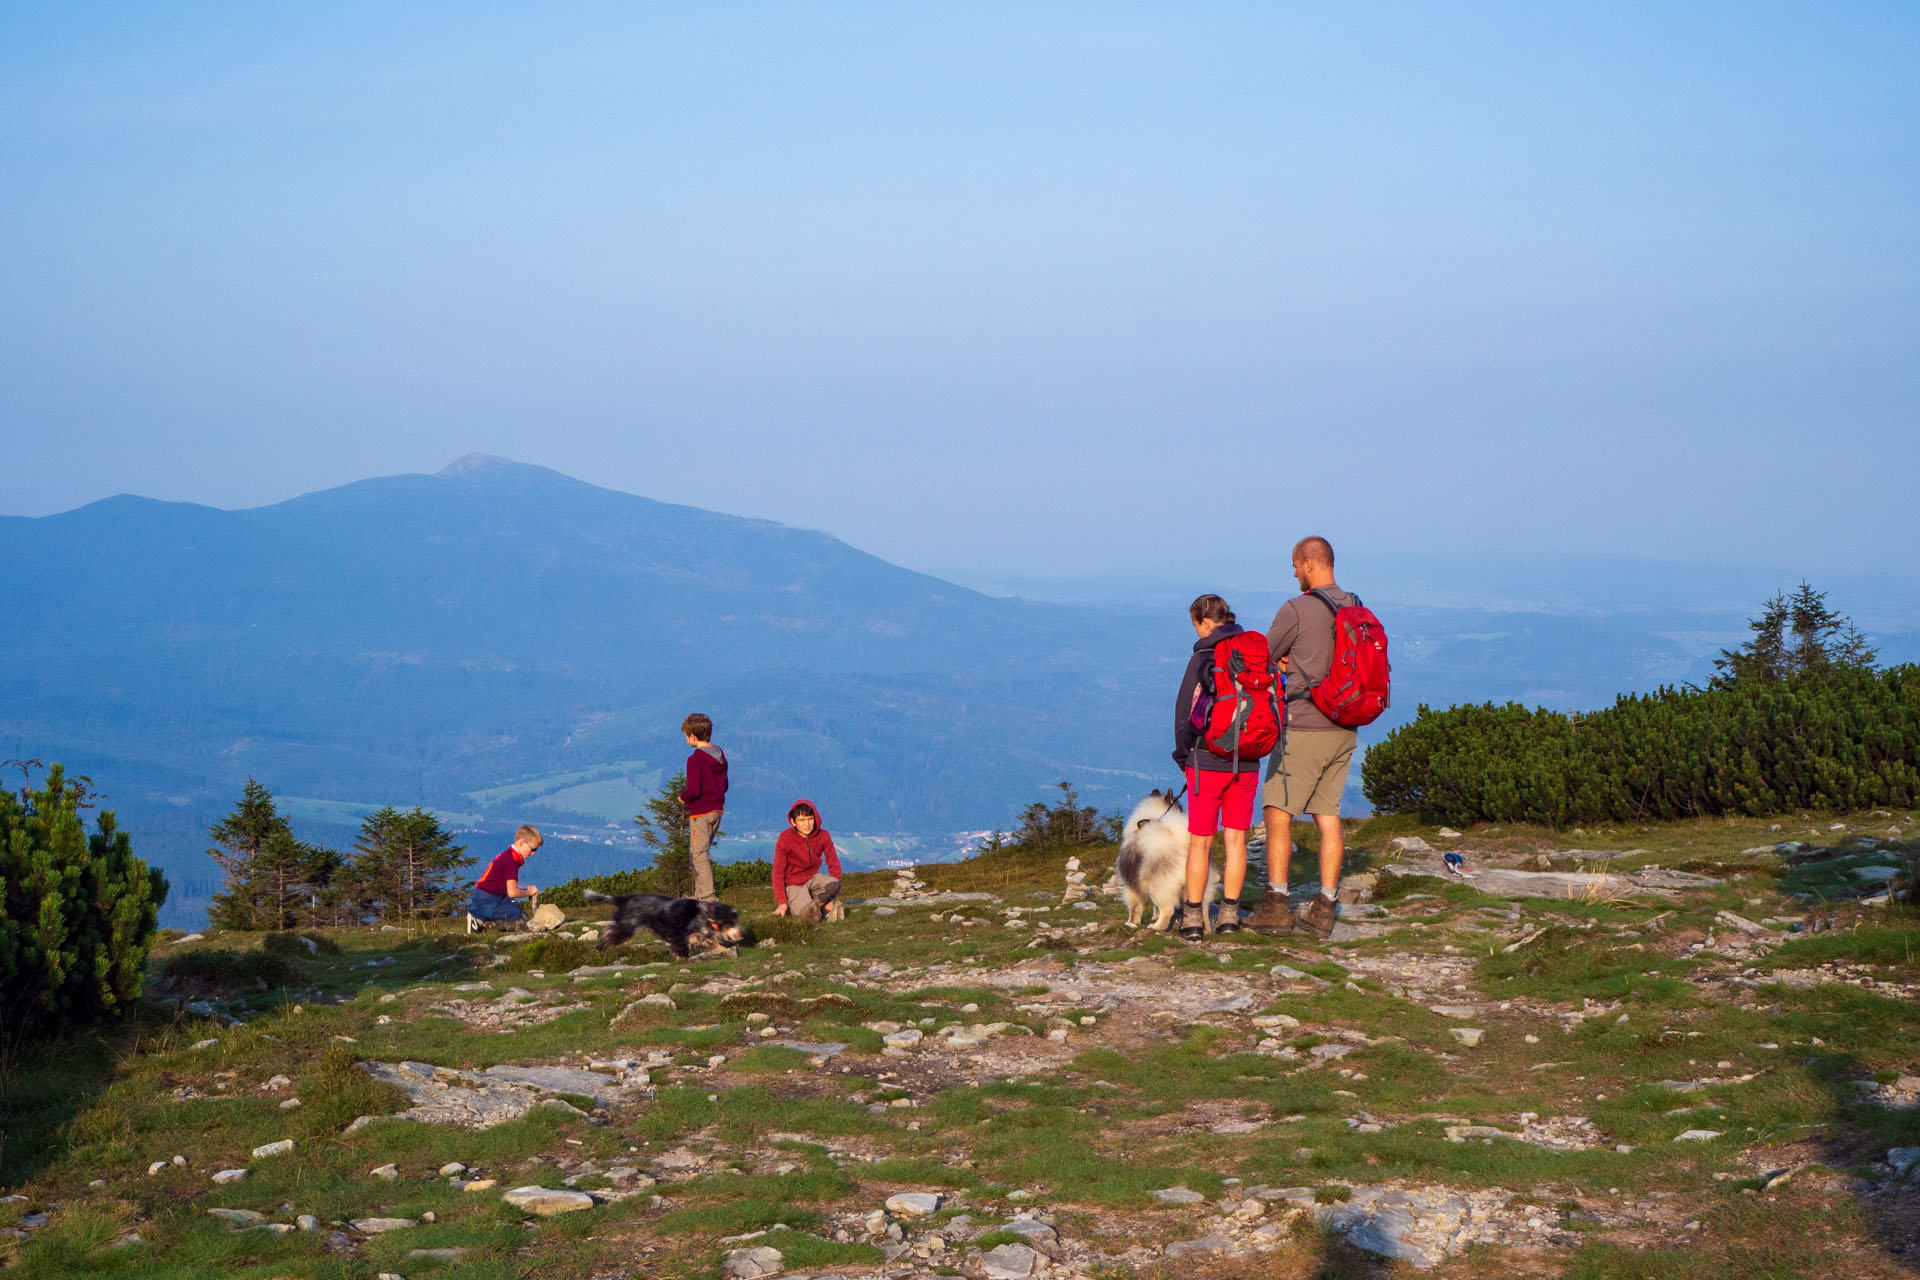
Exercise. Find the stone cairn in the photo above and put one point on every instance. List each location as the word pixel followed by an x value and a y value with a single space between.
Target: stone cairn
pixel 1076 883
pixel 907 885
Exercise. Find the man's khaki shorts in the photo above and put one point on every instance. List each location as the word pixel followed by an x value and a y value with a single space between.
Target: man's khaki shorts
pixel 1308 772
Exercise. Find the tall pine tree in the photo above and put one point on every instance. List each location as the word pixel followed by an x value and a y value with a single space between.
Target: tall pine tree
pixel 272 878
pixel 405 867
pixel 1794 636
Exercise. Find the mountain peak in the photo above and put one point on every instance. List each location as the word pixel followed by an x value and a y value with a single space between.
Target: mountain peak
pixel 473 462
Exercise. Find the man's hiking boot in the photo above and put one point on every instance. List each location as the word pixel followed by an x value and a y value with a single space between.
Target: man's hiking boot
pixel 1228 920
pixel 1193 921
pixel 1274 915
pixel 1319 915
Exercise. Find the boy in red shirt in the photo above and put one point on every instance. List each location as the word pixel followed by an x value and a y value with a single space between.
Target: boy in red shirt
pixel 705 798
pixel 495 895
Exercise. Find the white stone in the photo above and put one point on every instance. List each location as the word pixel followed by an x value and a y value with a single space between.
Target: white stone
pixel 387 1171
pixel 229 1175
pixel 913 1204
pixel 905 1039
pixel 546 1201
pixel 1698 1135
pixel 1468 1036
pixel 279 1148
pixel 374 1226
pixel 1178 1195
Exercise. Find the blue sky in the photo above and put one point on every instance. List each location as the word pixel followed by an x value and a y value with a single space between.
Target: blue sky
pixel 989 287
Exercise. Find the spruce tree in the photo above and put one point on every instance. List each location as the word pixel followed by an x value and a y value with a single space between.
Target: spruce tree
pixel 405 867
pixel 1793 637
pixel 668 832
pixel 241 840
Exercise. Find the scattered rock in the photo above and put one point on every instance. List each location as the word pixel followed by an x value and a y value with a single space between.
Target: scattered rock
pixel 546 1201
pixel 238 1217
pixel 279 1148
pixel 1009 1262
pixel 1697 1135
pixel 752 1263
pixel 913 1204
pixel 229 1175
pixel 1468 1036
pixel 1178 1194
pixel 375 1226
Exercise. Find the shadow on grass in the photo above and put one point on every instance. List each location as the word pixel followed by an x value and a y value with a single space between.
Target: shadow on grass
pixel 1861 1133
pixel 46 1087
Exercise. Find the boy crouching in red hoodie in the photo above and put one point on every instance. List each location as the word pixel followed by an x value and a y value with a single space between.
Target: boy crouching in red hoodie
pixel 801 885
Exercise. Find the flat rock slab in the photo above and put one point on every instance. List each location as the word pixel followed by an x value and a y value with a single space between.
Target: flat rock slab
pixel 547 1201
pixel 1178 1195
pixel 480 1100
pixel 375 1226
pixel 825 1050
pixel 1422 1226
pixel 1009 1262
pixel 1503 882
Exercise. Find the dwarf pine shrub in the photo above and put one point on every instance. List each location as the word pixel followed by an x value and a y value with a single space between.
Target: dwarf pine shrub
pixel 79 913
pixel 1843 739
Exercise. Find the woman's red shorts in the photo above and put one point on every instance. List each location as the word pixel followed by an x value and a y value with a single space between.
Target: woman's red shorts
pixel 1217 799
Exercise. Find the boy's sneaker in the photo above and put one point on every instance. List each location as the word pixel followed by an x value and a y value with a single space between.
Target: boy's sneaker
pixel 473 923
pixel 1274 915
pixel 1456 864
pixel 1193 921
pixel 1319 916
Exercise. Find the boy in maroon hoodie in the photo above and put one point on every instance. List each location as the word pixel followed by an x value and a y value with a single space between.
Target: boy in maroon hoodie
pixel 705 798
pixel 800 884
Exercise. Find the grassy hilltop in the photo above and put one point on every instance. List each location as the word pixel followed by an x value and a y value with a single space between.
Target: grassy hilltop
pixel 1304 1109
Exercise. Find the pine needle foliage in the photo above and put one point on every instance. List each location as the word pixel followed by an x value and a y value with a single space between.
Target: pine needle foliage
pixel 78 918
pixel 1798 718
pixel 405 867
pixel 666 829
pixel 274 881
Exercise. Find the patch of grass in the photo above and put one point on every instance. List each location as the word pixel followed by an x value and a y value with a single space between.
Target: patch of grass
pixel 1565 964
pixel 555 955
pixel 734 1217
pixel 1895 943
pixel 228 968
pixel 812 1251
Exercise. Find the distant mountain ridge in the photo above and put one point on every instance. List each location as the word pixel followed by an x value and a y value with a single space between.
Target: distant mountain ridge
pixel 506 643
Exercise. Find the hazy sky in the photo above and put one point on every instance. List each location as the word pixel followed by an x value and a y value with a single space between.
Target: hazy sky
pixel 989 286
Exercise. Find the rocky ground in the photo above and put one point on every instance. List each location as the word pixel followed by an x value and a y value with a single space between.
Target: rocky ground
pixel 1691 1054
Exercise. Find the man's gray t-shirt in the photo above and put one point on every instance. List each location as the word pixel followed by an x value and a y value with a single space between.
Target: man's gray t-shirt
pixel 1302 633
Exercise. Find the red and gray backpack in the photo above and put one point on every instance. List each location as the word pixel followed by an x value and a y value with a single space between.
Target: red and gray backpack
pixel 1355 691
pixel 1240 718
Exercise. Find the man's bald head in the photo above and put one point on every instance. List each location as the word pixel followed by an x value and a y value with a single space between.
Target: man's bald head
pixel 1313 550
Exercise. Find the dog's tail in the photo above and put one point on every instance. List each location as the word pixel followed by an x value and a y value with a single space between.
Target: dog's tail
pixel 594 895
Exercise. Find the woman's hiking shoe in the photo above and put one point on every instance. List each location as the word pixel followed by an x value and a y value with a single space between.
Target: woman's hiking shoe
pixel 1229 918
pixel 1193 921
pixel 1274 915
pixel 1319 915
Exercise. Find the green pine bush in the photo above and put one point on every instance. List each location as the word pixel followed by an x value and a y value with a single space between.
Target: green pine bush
pixel 79 913
pixel 1844 738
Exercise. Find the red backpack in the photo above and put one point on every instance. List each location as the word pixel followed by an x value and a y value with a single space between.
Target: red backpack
pixel 1240 719
pixel 1355 691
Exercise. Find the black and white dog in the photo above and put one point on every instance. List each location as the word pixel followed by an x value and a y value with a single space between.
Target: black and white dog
pixel 681 923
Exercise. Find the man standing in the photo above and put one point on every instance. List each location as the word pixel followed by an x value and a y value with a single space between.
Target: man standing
pixel 1308 771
